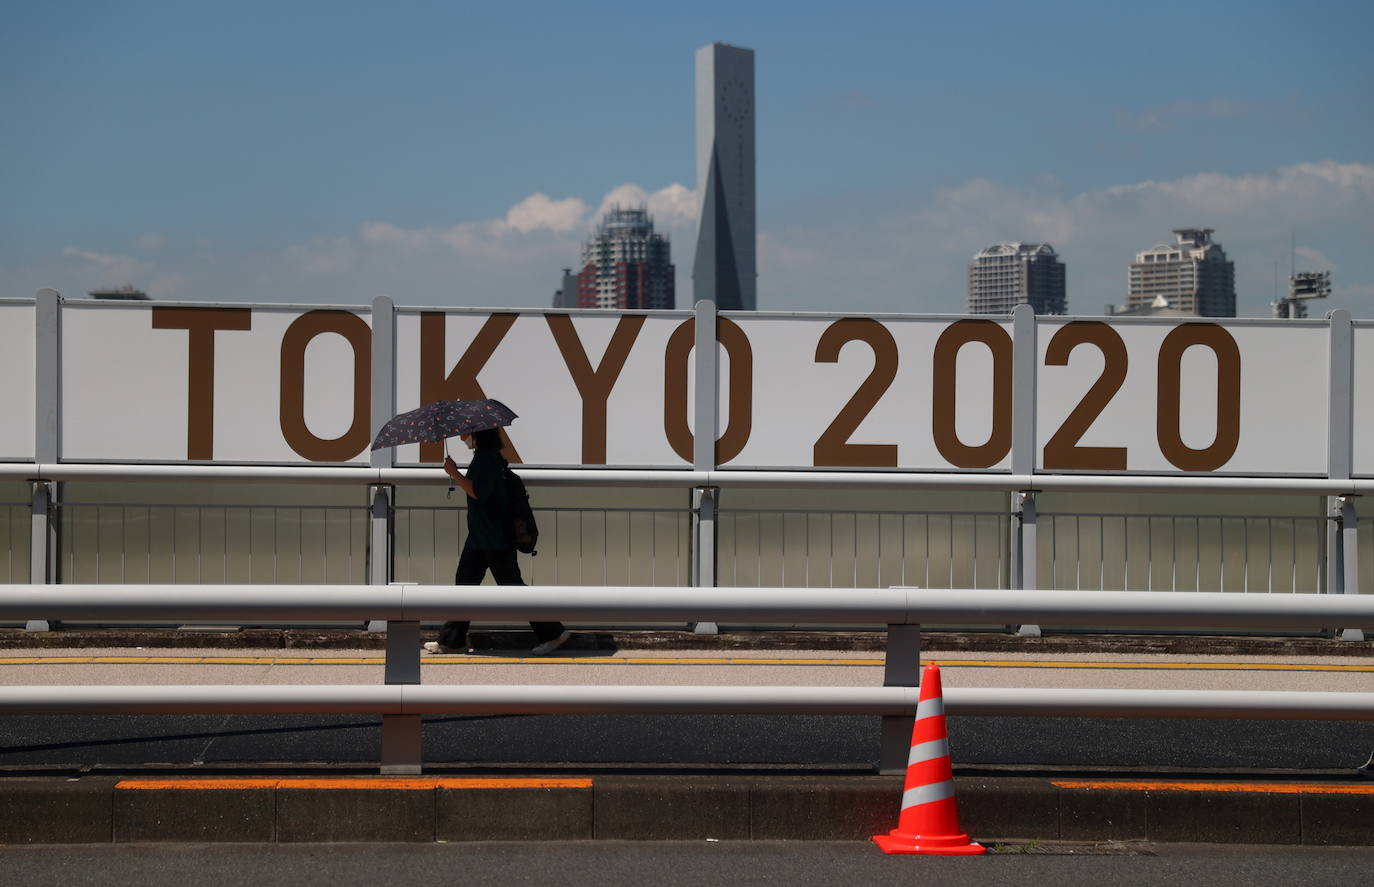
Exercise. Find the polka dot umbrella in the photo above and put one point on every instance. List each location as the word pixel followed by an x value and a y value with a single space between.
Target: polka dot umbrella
pixel 441 420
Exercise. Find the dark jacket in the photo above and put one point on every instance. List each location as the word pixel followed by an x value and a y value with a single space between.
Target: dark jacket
pixel 489 519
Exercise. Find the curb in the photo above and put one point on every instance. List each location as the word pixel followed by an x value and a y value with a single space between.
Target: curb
pixel 39 810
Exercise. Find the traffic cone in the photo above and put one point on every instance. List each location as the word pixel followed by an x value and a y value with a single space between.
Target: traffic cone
pixel 929 822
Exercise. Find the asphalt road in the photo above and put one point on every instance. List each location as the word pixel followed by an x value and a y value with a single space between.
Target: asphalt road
pixel 689 864
pixel 679 740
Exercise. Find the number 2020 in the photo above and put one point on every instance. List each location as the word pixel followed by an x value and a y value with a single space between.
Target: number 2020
pixel 1062 450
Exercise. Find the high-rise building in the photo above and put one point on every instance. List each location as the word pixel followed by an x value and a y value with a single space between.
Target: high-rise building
pixel 1009 274
pixel 1192 275
pixel 625 265
pixel 566 294
pixel 725 269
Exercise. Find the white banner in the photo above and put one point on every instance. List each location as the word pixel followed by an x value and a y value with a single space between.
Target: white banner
pixel 856 392
pixel 1161 397
pixel 1364 400
pixel 271 384
pixel 589 389
pixel 17 381
pixel 167 384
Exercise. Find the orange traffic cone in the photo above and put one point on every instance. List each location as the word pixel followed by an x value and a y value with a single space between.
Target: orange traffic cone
pixel 929 822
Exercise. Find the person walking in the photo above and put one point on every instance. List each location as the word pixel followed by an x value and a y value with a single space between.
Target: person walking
pixel 490 544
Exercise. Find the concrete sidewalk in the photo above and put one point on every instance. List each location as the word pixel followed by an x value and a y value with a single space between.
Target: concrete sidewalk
pixel 593 638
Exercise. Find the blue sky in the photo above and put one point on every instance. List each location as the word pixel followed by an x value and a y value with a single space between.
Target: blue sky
pixel 458 154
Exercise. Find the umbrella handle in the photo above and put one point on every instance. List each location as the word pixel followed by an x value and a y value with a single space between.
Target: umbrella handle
pixel 450 486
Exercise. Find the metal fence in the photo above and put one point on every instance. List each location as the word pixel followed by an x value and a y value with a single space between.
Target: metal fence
pixel 15 533
pixel 1183 552
pixel 213 544
pixel 577 546
pixel 811 548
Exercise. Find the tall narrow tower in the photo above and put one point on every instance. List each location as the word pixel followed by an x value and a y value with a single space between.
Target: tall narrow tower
pixel 724 270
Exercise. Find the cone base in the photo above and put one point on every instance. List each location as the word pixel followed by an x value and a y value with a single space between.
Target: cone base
pixel 942 845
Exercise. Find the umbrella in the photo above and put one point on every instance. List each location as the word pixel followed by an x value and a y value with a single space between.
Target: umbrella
pixel 441 420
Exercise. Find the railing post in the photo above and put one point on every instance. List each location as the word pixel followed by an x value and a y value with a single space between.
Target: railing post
pixel 43 546
pixel 705 501
pixel 381 547
pixel 44 553
pixel 706 430
pixel 401 733
pixel 1347 567
pixel 1342 551
pixel 1024 550
pixel 901 668
pixel 381 542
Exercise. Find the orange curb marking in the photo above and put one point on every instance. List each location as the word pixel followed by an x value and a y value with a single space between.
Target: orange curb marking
pixel 1281 788
pixel 378 782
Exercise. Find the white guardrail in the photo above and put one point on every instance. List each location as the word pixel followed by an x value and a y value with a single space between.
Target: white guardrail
pixel 401 701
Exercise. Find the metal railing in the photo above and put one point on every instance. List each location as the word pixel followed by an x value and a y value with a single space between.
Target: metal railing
pixel 812 548
pixel 284 544
pixel 757 544
pixel 1184 552
pixel 577 546
pixel 15 539
pixel 213 544
pixel 901 610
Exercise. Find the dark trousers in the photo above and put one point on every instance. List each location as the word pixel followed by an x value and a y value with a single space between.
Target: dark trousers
pixel 473 564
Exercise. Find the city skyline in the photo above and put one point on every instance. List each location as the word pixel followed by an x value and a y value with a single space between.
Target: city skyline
pixel 443 156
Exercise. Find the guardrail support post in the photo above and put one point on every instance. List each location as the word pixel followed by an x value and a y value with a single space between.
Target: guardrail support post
pixel 1347 567
pixel 44 554
pixel 381 542
pixel 705 501
pixel 43 546
pixel 401 733
pixel 1023 545
pixel 901 668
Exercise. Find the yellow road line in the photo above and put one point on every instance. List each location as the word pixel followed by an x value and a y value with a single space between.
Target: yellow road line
pixel 1284 788
pixel 452 660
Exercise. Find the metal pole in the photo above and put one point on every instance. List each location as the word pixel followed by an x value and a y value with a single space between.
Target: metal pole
pixel 706 430
pixel 381 542
pixel 1349 552
pixel 43 547
pixel 1024 561
pixel 401 755
pixel 704 540
pixel 901 668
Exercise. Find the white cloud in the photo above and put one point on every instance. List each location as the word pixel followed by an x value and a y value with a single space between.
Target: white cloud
pixel 114 269
pixel 324 258
pixel 1186 113
pixel 538 212
pixel 1175 113
pixel 672 207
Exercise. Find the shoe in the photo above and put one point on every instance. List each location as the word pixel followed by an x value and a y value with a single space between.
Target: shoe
pixel 548 647
pixel 434 647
